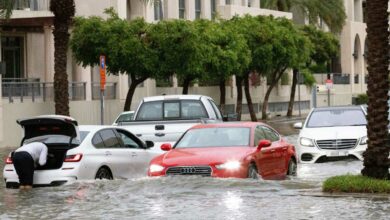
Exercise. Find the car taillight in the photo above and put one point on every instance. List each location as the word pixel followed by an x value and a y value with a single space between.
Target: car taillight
pixel 8 160
pixel 73 158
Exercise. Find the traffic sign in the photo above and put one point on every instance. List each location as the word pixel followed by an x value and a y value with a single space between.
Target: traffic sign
pixel 329 84
pixel 102 72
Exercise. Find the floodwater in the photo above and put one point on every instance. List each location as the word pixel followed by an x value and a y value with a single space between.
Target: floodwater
pixel 197 198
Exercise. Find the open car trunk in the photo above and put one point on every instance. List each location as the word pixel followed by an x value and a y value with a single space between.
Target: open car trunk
pixel 59 133
pixel 55 157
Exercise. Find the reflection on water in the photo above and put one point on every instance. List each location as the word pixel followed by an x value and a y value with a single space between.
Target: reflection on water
pixel 299 197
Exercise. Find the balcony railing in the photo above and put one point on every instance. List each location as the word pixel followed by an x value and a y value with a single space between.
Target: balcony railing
pixel 109 92
pixel 40 91
pixel 32 5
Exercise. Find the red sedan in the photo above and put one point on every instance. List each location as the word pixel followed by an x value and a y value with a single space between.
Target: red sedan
pixel 241 150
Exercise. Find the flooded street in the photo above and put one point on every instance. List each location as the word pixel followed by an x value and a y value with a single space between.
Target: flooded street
pixel 197 198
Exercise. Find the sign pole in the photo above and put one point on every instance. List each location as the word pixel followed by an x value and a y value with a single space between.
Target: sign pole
pixel 102 86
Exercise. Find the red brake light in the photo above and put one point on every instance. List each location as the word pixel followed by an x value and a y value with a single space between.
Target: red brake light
pixel 73 158
pixel 8 160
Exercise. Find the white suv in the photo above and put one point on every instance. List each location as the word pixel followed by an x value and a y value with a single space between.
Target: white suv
pixel 332 133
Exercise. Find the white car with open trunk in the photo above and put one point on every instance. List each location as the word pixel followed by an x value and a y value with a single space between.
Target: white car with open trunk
pixel 82 152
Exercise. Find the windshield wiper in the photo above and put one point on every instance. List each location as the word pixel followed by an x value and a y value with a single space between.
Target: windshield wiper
pixel 358 125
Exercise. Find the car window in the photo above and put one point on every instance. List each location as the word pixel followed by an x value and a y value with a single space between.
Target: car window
pixel 171 110
pixel 270 134
pixel 125 117
pixel 192 109
pixel 215 137
pixel 97 141
pixel 336 117
pixel 183 109
pixel 128 140
pixel 151 111
pixel 216 109
pixel 83 134
pixel 259 135
pixel 109 139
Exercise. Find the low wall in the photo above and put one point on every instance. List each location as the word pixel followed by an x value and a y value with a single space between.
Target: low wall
pixel 85 112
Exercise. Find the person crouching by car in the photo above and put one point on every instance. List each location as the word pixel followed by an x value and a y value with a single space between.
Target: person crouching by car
pixel 25 158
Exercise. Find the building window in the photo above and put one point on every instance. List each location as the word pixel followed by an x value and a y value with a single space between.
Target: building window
pixel 213 9
pixel 227 2
pixel 198 9
pixel 182 9
pixel 12 53
pixel 158 10
pixel 249 3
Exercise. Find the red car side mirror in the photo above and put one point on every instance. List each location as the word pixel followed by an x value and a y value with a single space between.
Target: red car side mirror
pixel 166 147
pixel 263 144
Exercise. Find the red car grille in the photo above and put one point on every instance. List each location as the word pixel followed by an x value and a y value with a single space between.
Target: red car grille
pixel 189 170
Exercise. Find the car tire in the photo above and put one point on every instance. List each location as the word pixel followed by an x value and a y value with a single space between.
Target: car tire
pixel 292 168
pixel 103 173
pixel 252 172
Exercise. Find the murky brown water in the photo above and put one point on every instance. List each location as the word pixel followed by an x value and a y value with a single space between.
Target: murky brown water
pixel 196 198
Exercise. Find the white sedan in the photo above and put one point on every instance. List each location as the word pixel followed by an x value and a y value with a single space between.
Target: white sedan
pixel 82 152
pixel 332 133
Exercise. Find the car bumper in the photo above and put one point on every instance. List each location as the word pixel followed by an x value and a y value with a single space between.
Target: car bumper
pixel 315 154
pixel 42 177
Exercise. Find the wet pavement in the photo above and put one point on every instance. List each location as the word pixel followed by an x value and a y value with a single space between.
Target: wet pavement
pixel 198 198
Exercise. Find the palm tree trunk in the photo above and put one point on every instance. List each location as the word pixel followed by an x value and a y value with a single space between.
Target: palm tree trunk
pixel 239 97
pixel 249 98
pixel 186 85
pixel 133 86
pixel 376 162
pixel 63 11
pixel 292 94
pixel 222 98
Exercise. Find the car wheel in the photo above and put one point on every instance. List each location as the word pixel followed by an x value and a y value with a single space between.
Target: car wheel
pixel 252 172
pixel 103 173
pixel 292 168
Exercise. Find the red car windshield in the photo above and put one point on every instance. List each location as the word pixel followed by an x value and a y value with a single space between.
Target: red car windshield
pixel 215 137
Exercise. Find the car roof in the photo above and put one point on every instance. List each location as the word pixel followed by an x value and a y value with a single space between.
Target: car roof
pixel 352 107
pixel 240 124
pixel 173 97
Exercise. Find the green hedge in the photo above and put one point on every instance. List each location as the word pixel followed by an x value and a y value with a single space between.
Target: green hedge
pixel 356 184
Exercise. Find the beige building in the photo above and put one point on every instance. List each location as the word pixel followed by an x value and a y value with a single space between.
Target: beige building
pixel 27 48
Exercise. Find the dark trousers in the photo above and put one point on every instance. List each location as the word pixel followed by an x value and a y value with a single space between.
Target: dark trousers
pixel 24 166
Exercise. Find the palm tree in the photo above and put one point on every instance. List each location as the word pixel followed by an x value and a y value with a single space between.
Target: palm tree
pixel 331 12
pixel 376 162
pixel 64 11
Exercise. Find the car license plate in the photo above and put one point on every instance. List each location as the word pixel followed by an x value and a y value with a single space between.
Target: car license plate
pixel 338 154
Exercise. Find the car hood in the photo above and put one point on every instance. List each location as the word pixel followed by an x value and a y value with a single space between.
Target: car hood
pixel 326 133
pixel 204 156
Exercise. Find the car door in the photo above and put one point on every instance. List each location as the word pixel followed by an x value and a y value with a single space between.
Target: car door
pixel 139 158
pixel 263 157
pixel 117 156
pixel 278 149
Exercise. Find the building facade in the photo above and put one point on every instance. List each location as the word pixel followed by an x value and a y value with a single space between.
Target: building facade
pixel 27 50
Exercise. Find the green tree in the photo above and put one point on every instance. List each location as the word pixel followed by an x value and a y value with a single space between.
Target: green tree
pixel 376 162
pixel 325 47
pixel 283 47
pixel 182 48
pixel 230 55
pixel 127 46
pixel 331 12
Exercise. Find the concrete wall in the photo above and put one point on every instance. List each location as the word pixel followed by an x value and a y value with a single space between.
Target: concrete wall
pixel 85 112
